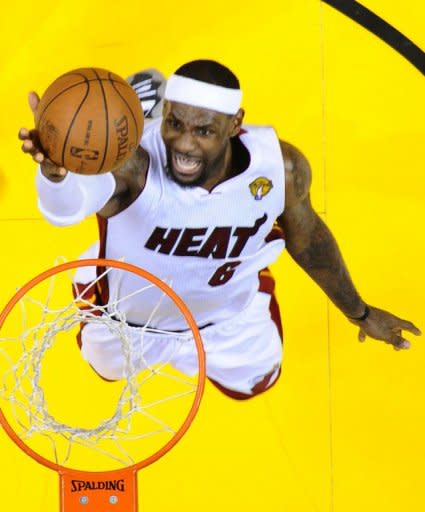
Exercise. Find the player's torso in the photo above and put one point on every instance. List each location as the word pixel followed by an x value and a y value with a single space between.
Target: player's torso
pixel 209 246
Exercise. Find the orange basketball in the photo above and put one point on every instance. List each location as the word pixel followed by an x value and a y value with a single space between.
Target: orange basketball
pixel 89 121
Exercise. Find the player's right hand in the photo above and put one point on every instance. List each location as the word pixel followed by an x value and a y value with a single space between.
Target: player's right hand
pixel 31 145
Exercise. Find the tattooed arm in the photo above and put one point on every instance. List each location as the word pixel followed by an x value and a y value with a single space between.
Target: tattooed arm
pixel 129 182
pixel 313 247
pixel 65 198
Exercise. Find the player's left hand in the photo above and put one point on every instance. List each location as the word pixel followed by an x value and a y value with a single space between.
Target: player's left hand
pixel 386 327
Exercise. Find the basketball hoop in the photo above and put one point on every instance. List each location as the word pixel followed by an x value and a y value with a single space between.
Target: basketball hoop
pixel 144 395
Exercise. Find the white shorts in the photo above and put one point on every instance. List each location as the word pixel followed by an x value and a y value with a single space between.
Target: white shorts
pixel 240 352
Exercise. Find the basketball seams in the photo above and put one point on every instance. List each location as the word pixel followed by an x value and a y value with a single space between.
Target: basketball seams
pixel 105 104
pixel 59 93
pixel 128 106
pixel 86 81
pixel 71 124
pixel 78 128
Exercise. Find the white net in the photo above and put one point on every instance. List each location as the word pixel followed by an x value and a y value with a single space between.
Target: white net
pixel 61 408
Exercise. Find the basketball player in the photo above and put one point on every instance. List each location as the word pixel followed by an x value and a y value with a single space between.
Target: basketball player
pixel 208 203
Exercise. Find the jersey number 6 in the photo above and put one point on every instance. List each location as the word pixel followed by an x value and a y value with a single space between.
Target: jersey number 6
pixel 223 273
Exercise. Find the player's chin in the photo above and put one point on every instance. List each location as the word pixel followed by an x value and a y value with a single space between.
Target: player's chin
pixel 193 178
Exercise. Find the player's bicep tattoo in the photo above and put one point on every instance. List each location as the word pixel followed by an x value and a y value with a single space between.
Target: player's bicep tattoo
pixel 297 173
pixel 300 173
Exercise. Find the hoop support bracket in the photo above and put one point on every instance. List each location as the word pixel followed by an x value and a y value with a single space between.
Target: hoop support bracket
pixel 114 491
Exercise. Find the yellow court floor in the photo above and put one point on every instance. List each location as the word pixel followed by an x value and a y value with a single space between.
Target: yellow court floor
pixel 342 431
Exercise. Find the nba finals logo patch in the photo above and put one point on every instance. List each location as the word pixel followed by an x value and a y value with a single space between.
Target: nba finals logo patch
pixel 260 187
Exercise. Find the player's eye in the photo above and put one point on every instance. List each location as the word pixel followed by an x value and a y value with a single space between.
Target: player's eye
pixel 204 131
pixel 174 124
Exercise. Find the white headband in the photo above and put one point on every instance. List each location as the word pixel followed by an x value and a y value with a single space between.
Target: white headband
pixel 204 95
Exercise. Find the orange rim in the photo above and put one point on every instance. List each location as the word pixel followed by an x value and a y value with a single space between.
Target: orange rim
pixel 100 262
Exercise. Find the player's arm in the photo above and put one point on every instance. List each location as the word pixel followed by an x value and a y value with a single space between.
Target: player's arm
pixel 130 180
pixel 66 198
pixel 312 245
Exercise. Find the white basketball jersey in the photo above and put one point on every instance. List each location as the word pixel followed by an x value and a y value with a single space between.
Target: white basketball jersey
pixel 208 246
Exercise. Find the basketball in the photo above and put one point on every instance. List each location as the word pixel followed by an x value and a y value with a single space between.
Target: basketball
pixel 89 121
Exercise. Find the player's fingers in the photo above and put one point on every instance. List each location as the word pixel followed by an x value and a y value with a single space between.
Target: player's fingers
pixel 28 147
pixel 23 134
pixel 33 100
pixel 398 342
pixel 61 171
pixel 51 168
pixel 408 326
pixel 362 335
pixel 34 136
pixel 31 144
pixel 38 157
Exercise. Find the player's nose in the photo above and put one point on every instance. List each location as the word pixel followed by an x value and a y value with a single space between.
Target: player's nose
pixel 185 143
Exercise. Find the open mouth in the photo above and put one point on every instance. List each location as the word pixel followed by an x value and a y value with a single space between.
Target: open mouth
pixel 186 165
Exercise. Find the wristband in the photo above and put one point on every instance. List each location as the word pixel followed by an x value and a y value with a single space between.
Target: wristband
pixel 363 317
pixel 74 198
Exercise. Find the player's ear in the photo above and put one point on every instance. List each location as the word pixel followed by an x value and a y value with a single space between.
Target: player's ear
pixel 165 108
pixel 236 122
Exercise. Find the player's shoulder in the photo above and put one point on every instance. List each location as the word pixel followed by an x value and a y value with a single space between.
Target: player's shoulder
pixel 262 140
pixel 297 172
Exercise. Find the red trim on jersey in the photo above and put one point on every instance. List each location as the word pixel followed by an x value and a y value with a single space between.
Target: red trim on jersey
pixel 102 224
pixel 276 233
pixel 102 284
pixel 98 293
pixel 267 285
pixel 90 294
pixel 259 388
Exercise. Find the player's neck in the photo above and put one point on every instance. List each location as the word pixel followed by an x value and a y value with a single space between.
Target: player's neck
pixel 223 169
pixel 236 160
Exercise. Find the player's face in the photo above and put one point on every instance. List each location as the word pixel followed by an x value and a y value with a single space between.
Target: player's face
pixel 197 143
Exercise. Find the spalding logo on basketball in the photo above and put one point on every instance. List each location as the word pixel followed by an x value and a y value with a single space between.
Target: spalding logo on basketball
pixel 89 121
